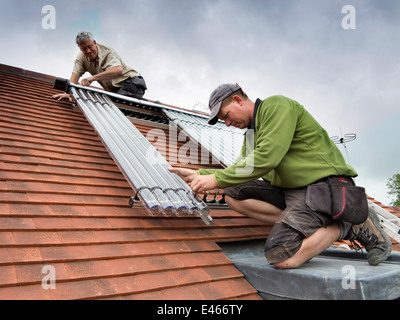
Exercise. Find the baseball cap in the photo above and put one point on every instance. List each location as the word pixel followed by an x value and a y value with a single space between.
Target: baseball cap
pixel 217 96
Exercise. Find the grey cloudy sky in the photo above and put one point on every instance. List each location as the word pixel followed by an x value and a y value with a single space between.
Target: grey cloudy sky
pixel 347 78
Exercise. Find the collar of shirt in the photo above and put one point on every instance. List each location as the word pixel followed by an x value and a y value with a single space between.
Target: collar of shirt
pixel 253 123
pixel 95 60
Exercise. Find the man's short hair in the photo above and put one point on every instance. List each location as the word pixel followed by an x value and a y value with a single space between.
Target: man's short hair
pixel 82 36
pixel 229 99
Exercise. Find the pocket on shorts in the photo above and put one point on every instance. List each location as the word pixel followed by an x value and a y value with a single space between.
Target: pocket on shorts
pixel 319 198
pixel 349 204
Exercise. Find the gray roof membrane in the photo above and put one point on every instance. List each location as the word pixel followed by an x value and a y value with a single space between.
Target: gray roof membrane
pixel 336 274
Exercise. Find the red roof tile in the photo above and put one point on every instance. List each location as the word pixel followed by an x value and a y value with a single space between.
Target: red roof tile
pixel 64 203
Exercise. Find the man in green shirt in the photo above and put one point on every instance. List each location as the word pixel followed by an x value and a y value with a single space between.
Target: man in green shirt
pixel 289 152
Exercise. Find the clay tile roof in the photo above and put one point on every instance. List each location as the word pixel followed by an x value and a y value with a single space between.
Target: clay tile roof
pixel 64 205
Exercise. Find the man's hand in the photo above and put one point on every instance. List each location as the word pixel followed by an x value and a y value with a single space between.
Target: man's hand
pixel 203 183
pixel 197 182
pixel 187 175
pixel 87 81
pixel 109 74
pixel 62 96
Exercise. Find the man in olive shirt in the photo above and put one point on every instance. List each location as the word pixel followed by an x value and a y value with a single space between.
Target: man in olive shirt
pixel 290 152
pixel 106 67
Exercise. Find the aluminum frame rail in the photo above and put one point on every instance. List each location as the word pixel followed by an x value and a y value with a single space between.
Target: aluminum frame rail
pixel 65 85
pixel 159 190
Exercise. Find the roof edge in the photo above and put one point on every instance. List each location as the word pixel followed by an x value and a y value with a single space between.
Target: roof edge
pixel 26 73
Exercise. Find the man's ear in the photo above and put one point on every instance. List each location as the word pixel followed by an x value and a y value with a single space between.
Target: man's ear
pixel 238 99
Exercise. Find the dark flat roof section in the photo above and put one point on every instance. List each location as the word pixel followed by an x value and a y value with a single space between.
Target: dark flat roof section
pixel 336 274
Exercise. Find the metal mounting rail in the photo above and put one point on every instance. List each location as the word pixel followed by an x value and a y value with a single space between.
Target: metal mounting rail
pixel 65 85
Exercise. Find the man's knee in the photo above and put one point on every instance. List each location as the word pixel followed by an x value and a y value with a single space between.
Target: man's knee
pixel 229 200
pixel 282 244
pixel 288 264
pixel 284 256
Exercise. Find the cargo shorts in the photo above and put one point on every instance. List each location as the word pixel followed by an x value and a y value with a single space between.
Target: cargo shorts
pixel 296 222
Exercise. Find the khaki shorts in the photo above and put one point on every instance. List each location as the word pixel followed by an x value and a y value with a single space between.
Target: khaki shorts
pixel 296 222
pixel 260 190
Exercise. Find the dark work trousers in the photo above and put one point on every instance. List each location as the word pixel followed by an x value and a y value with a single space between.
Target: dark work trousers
pixel 133 87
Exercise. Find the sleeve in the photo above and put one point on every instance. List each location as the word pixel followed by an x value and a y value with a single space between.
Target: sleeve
pixel 276 125
pixel 111 59
pixel 79 66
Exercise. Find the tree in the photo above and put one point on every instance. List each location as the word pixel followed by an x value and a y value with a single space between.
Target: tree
pixel 394 189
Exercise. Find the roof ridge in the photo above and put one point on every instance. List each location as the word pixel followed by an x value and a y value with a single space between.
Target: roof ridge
pixel 26 73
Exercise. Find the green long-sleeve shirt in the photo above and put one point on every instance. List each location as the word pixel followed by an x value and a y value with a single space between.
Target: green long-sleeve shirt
pixel 290 149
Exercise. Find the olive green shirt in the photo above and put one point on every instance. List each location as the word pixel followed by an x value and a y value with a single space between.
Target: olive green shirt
pixel 106 59
pixel 290 149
